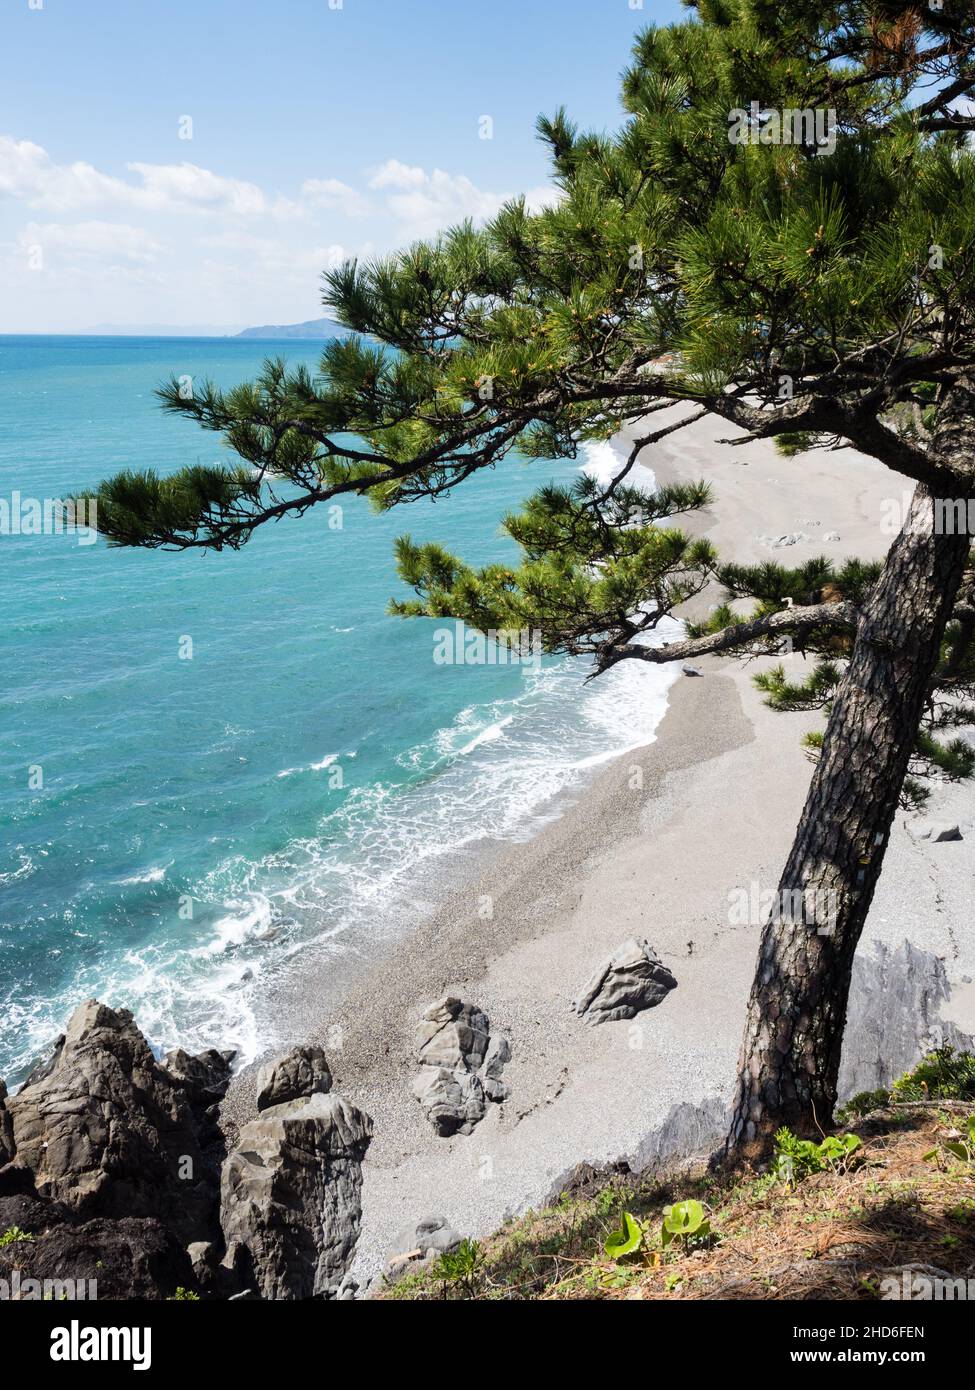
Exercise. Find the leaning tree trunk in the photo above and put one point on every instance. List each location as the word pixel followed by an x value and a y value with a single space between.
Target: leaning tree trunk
pixel 794 1031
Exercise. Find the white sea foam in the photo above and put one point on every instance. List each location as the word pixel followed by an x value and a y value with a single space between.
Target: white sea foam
pixel 499 770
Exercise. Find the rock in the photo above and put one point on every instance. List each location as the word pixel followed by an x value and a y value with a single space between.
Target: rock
pixel 454 1101
pixel 633 979
pixel 460 1066
pixel 204 1078
pixel 44 1066
pixel 831 536
pixel 780 542
pixel 936 831
pixel 202 1255
pixel 6 1129
pixel 290 1196
pixel 117 1258
pixel 497 1055
pixel 453 1034
pixel 894 1015
pixel 418 1247
pixel 691 671
pixel 107 1132
pixel 301 1073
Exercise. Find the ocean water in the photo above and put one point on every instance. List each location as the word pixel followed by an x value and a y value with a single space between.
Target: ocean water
pixel 179 831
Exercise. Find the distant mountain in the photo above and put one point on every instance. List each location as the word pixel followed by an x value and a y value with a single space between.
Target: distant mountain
pixel 312 328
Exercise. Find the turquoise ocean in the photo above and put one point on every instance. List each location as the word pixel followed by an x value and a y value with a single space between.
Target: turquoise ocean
pixel 180 831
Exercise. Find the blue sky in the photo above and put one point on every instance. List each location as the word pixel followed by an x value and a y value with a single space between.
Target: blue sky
pixel 317 130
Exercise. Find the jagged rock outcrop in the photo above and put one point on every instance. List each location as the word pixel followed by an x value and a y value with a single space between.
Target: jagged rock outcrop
pixel 110 1160
pixel 106 1131
pixel 301 1072
pixel 290 1192
pixel 893 1017
pixel 460 1066
pixel 633 979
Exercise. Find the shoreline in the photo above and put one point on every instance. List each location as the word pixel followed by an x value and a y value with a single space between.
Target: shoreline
pixel 651 847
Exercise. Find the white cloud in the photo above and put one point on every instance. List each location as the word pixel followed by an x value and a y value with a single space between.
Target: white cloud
pixel 28 173
pixel 110 251
pixel 109 242
pixel 426 203
pixel 330 194
pixel 393 174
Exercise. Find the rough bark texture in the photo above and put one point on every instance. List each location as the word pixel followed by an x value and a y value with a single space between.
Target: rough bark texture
pixel 797 1010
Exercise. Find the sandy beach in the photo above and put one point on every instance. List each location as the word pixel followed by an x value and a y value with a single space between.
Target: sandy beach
pixel 653 848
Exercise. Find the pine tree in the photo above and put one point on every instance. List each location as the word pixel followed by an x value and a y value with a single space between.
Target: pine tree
pixel 808 280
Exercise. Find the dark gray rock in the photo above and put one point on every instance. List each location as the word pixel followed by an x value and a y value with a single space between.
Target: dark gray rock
pixel 633 979
pixel 302 1072
pixel 204 1078
pixel 6 1129
pixel 290 1203
pixel 45 1065
pixel 105 1258
pixel 108 1132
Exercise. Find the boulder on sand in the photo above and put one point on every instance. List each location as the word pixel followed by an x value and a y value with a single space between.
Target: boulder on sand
pixel 633 979
pixel 936 831
pixel 460 1065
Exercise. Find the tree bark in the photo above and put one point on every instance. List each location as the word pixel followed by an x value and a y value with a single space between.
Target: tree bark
pixel 796 1013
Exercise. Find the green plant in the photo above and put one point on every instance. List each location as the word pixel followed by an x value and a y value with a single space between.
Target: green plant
pixel 795 1158
pixel 962 1147
pixel 943 1075
pixel 686 1221
pixel 627 1240
pixel 863 1103
pixel 184 1296
pixel 460 1267
pixel 13 1236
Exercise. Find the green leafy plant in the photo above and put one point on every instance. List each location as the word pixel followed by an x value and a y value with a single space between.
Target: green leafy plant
pixel 184 1296
pixel 460 1268
pixel 943 1075
pixel 795 1158
pixel 962 1147
pixel 685 1221
pixel 627 1240
pixel 13 1236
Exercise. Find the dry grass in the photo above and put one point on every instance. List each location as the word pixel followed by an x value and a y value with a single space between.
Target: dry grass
pixel 832 1235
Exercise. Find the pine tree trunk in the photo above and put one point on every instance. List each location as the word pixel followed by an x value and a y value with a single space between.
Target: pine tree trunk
pixel 794 1031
